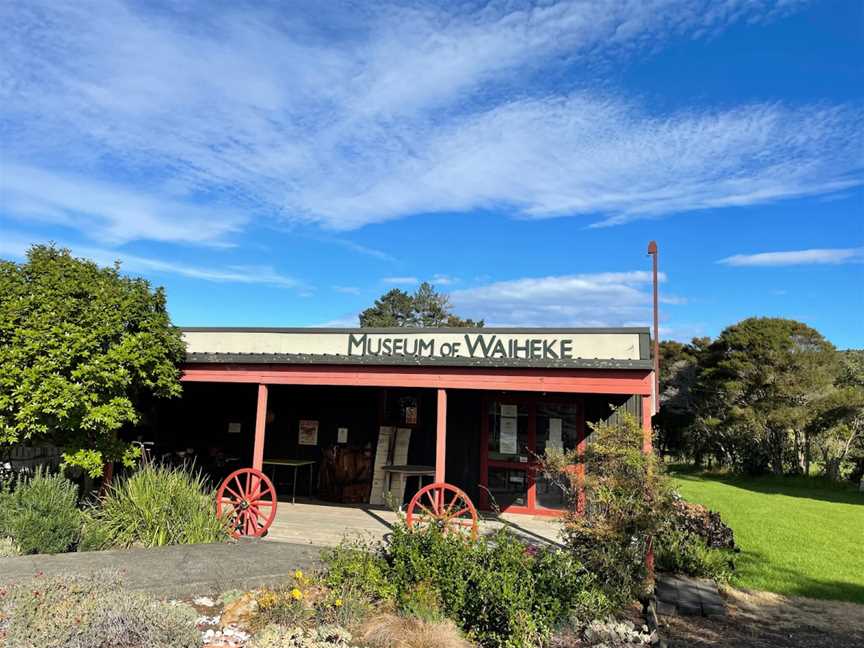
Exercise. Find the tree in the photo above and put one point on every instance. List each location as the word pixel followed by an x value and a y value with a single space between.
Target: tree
pixel 679 368
pixel 424 309
pixel 759 382
pixel 81 349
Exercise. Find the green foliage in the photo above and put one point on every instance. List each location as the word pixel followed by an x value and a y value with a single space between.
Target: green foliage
pixel 681 552
pixel 358 565
pixel 499 591
pixel 81 349
pixel 422 601
pixel 425 308
pixel 628 499
pixel 766 394
pixel 157 505
pixel 40 515
pixel 92 612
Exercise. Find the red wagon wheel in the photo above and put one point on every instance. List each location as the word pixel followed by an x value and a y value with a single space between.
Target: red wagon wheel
pixel 248 499
pixel 444 506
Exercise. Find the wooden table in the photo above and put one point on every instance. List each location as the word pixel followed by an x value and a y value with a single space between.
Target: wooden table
pixel 408 471
pixel 296 464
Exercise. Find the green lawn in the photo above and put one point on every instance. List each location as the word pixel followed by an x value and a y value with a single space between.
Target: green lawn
pixel 797 536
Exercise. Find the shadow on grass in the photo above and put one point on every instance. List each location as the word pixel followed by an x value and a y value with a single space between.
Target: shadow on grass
pixel 792 583
pixel 795 486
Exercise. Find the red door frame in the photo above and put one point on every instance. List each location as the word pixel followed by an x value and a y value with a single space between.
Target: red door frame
pixel 530 401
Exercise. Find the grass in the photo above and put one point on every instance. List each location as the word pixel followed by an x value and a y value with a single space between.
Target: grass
pixel 798 536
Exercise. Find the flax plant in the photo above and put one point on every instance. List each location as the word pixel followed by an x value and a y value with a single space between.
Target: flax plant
pixel 157 505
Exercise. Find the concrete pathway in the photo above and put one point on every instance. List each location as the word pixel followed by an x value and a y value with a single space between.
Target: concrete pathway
pixel 178 571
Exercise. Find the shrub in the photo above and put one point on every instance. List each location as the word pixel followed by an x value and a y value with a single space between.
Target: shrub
pixel 699 521
pixel 358 566
pixel 157 505
pixel 628 500
pixel 92 612
pixel 276 636
pixel 495 589
pixel 682 552
pixel 41 514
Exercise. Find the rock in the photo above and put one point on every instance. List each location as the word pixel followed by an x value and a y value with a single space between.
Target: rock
pixel 239 611
pixel 204 601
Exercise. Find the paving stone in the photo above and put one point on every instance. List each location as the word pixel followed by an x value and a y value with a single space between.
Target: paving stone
pixel 686 608
pixel 713 610
pixel 666 609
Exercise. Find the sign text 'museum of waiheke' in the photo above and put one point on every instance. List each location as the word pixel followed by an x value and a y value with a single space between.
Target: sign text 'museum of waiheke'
pixel 472 345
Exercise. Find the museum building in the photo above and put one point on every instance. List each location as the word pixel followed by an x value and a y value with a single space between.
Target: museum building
pixel 369 415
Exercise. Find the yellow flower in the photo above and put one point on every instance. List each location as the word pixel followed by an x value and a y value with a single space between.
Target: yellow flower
pixel 338 603
pixel 296 594
pixel 298 574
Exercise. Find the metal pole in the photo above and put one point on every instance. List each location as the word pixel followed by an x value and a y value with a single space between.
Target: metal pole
pixel 652 251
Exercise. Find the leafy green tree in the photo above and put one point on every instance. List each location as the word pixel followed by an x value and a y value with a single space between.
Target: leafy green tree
pixel 759 382
pixel 424 309
pixel 81 349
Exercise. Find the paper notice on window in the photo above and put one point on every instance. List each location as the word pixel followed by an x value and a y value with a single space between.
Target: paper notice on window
pixel 554 442
pixel 308 433
pixel 342 435
pixel 509 444
pixel 510 411
pixel 235 428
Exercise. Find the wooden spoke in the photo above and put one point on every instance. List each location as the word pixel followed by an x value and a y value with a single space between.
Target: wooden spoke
pixel 241 498
pixel 452 510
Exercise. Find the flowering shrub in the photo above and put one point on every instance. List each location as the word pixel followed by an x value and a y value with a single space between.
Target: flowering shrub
pixel 91 612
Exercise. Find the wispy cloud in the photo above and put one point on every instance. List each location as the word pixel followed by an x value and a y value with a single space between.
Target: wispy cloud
pixel 594 299
pixel 797 257
pixel 443 280
pixel 415 109
pixel 401 281
pixel 15 247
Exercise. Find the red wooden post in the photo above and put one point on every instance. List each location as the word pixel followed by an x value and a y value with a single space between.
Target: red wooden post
pixel 260 425
pixel 441 436
pixel 647 448
pixel 647 443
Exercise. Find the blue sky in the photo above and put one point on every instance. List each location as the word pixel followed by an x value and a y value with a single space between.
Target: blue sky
pixel 283 164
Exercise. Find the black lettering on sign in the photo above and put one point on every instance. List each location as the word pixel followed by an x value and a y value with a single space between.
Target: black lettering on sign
pixel 357 343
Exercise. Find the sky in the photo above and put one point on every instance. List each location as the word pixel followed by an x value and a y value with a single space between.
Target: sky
pixel 283 164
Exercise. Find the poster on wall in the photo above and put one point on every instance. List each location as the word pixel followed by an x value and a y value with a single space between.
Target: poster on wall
pixel 308 433
pixel 555 442
pixel 235 428
pixel 508 443
pixel 510 411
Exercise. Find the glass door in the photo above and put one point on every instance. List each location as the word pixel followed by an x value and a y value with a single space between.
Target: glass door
pixel 516 433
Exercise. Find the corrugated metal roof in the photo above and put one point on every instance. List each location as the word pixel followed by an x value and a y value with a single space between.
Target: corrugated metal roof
pixel 298 358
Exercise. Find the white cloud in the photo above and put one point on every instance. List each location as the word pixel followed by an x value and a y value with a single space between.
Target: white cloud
pixel 108 212
pixel 14 246
pixel 592 299
pixel 255 111
pixel 443 280
pixel 797 257
pixel 401 281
